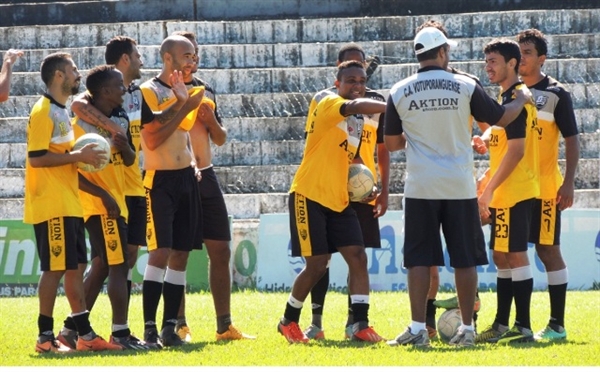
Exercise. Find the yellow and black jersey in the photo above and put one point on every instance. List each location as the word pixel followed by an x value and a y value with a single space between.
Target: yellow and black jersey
pixel 112 177
pixel 332 142
pixel 555 117
pixel 50 191
pixel 524 181
pixel 138 112
pixel 372 133
pixel 159 97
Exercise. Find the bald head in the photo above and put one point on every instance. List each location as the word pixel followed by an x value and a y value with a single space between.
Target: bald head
pixel 172 43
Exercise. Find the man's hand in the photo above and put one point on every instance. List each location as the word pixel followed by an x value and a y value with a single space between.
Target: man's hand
pixel 11 55
pixel 112 208
pixel 523 95
pixel 120 141
pixel 478 145
pixel 565 196
pixel 91 154
pixel 178 86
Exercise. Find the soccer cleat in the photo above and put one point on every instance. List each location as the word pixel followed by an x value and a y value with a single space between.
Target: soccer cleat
pixel 491 332
pixel 129 342
pixel 513 336
pixel 68 337
pixel 551 334
pixel 421 339
pixel 367 335
pixel 314 333
pixel 96 344
pixel 466 338
pixel 348 332
pixel 184 333
pixel 431 332
pixel 232 333
pixel 452 303
pixel 51 345
pixel 151 338
pixel 169 337
pixel 292 332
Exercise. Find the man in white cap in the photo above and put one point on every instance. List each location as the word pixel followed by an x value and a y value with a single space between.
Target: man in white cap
pixel 428 114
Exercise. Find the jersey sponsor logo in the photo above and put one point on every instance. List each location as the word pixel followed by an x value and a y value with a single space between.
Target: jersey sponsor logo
pixel 434 104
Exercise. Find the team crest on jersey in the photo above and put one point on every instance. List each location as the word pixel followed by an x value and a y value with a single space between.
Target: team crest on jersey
pixel 56 250
pixel 136 102
pixel 112 245
pixel 64 128
pixel 541 101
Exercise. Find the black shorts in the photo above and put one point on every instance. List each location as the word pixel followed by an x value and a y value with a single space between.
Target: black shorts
pixel 108 239
pixel 368 224
pixel 510 227
pixel 173 207
pixel 460 223
pixel 215 220
pixel 545 222
pixel 136 223
pixel 317 230
pixel 61 243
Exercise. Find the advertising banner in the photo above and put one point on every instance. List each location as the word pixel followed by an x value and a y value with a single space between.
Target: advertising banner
pixel 580 245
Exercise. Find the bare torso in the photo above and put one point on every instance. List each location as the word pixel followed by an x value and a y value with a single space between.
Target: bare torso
pixel 172 154
pixel 201 145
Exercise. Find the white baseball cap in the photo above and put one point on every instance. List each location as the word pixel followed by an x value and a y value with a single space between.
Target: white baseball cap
pixel 429 38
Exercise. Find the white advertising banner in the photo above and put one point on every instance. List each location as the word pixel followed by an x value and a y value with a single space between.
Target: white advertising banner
pixel 276 269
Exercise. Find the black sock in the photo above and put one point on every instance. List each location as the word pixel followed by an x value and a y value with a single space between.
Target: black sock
pixel 122 333
pixel 223 323
pixel 82 323
pixel 151 292
pixel 361 312
pixel 128 293
pixel 558 297
pixel 69 323
pixel 522 291
pixel 291 314
pixel 505 297
pixel 45 325
pixel 430 314
pixel 172 294
pixel 317 297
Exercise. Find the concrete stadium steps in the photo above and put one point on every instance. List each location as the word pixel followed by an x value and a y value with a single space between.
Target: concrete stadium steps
pixel 312 79
pixel 306 54
pixel 334 29
pixel 276 152
pixel 281 105
pixel 278 178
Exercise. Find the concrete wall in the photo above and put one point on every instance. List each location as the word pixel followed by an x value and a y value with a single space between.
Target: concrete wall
pixel 15 13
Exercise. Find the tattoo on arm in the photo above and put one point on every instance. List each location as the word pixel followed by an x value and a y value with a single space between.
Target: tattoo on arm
pixel 166 116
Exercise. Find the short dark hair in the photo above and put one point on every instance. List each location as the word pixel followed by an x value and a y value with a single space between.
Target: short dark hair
pixel 116 47
pixel 346 65
pixel 97 78
pixel 350 47
pixel 430 54
pixel 53 62
pixel 535 37
pixel 507 48
pixel 187 34
pixel 432 23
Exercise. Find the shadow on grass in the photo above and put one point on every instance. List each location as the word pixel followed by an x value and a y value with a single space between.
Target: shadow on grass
pixel 186 348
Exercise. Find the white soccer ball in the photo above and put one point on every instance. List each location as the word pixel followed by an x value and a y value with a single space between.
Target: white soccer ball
pixel 360 182
pixel 448 324
pixel 101 143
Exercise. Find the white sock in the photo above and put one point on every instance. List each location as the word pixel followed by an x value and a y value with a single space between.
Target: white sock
pixel 295 303
pixel 416 327
pixel 359 299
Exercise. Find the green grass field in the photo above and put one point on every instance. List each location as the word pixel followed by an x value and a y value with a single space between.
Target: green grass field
pixel 258 313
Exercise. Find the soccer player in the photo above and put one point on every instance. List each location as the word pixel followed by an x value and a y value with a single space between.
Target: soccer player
pixel 440 191
pixel 122 52
pixel 555 115
pixel 451 303
pixel 51 171
pixel 215 221
pixel 172 192
pixel 105 212
pixel 10 57
pixel 368 211
pixel 509 197
pixel 322 221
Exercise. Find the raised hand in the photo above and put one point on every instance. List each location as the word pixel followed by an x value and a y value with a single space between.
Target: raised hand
pixel 178 86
